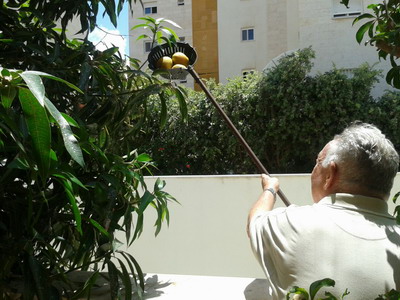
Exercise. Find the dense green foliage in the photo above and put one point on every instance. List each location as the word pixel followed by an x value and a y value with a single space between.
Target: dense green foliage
pixel 286 116
pixel 69 177
pixel 299 293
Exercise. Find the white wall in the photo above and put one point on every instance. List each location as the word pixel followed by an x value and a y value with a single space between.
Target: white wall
pixel 207 233
pixel 236 55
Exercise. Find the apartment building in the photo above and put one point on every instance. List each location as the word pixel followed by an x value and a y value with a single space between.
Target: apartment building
pixel 234 37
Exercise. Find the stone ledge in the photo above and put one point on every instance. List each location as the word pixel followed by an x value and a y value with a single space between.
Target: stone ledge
pixel 176 287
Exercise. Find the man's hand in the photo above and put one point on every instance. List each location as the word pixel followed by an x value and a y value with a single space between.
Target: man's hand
pixel 267 198
pixel 269 182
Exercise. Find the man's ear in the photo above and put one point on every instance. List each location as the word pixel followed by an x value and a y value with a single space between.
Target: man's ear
pixel 331 175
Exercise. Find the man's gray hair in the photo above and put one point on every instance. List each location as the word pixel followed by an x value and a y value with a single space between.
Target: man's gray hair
pixel 365 157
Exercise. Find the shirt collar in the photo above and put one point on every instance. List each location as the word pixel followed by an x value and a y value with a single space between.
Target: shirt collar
pixel 357 202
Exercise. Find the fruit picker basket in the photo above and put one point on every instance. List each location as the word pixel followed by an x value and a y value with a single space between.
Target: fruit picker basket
pixel 168 50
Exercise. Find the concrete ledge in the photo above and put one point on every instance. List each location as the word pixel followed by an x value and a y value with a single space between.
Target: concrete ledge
pixel 176 287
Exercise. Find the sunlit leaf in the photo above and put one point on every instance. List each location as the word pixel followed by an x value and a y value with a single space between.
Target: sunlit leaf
pixel 148 19
pixel 159 184
pixel 35 85
pixel 143 157
pixel 172 23
pixel 139 26
pixel 37 73
pixel 70 142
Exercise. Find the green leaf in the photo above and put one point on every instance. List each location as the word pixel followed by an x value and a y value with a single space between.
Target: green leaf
pixel 329 296
pixel 171 32
pixel 39 128
pixel 89 283
pixel 71 177
pixel 37 73
pixel 397 214
pixel 143 158
pixel 8 94
pixel 35 85
pixel 138 269
pixel 163 113
pixel 180 94
pixel 18 163
pixel 70 120
pixel 172 23
pixel 145 200
pixel 40 280
pixel 70 142
pixel 74 205
pixel 298 291
pixel 345 2
pixel 395 197
pixel 142 36
pixel 363 16
pixel 110 52
pixel 126 280
pixel 138 26
pixel 149 19
pixel 85 73
pixel 100 228
pixel 390 75
pixel 361 31
pixel 317 285
pixel 159 185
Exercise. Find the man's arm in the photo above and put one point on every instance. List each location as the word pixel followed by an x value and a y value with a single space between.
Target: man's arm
pixel 267 198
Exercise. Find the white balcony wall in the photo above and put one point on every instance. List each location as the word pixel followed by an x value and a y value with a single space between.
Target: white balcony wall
pixel 207 233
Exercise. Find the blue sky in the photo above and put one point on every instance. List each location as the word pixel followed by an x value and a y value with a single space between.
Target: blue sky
pixel 118 36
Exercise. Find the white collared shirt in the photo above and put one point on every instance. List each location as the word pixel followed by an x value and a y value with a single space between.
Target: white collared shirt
pixel 351 239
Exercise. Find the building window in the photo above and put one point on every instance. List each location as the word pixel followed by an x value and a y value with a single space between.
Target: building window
pixel 248 34
pixel 341 11
pixel 150 10
pixel 147 46
pixel 181 2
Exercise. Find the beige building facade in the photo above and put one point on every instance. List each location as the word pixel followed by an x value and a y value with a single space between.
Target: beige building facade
pixel 234 37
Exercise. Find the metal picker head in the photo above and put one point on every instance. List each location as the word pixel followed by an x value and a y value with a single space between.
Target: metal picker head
pixel 168 50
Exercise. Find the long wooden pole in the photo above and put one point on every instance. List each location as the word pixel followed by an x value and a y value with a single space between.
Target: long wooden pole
pixel 250 152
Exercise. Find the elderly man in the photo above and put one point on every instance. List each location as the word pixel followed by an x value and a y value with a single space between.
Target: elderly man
pixel 347 234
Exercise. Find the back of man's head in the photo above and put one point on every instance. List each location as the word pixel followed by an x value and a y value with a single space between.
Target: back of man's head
pixel 366 159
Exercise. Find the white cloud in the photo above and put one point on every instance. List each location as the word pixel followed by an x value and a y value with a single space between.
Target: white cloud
pixel 105 38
